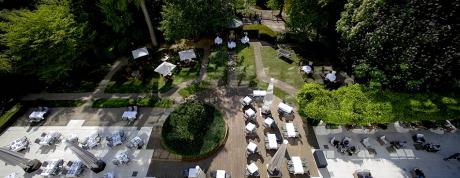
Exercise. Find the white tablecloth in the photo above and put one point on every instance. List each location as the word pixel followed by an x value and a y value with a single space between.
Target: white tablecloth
pixel 192 172
pixel 218 40
pixel 231 45
pixel 37 115
pixel 250 127
pixel 220 174
pixel 252 168
pixel 131 115
pixel 247 100
pixel 249 112
pixel 108 175
pixel 298 168
pixel 245 40
pixel 259 93
pixel 306 69
pixel 331 77
pixel 269 121
pixel 286 108
pixel 290 130
pixel 252 146
pixel 272 144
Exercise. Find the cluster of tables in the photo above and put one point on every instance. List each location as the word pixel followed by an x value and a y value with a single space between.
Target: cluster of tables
pixel 121 159
pixel 19 144
pixel 91 141
pixel 136 143
pixel 52 167
pixel 116 139
pixel 75 169
pixel 49 138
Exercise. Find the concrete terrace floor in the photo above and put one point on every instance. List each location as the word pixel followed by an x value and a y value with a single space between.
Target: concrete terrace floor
pixel 387 162
pixel 232 156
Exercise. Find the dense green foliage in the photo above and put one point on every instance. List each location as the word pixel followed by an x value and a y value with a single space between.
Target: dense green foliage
pixel 141 102
pixel 306 17
pixel 45 42
pixel 405 45
pixel 194 128
pixel 116 14
pixel 190 18
pixel 276 5
pixel 356 104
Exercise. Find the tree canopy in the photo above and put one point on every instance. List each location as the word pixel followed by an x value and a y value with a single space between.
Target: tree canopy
pixel 44 43
pixel 116 14
pixel 190 18
pixel 404 45
pixel 358 104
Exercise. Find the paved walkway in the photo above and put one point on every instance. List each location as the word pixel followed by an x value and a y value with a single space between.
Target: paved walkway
pixel 261 72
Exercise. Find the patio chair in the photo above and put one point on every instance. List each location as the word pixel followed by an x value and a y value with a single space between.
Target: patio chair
pixel 247 173
pixel 135 108
pixel 45 163
pixel 291 169
pixel 365 142
pixel 256 174
pixel 382 140
pixel 69 163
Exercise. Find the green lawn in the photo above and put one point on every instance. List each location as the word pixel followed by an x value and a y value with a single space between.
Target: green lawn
pixel 246 67
pixel 279 93
pixel 280 69
pixel 217 66
pixel 193 89
pixel 9 114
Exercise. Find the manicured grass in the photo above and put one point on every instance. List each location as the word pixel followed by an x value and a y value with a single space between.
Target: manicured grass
pixel 281 69
pixel 81 80
pixel 141 102
pixel 263 30
pixel 9 114
pixel 194 130
pixel 54 103
pixel 246 67
pixel 217 66
pixel 193 89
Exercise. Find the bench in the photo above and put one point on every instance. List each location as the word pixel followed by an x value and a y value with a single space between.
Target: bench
pixel 284 53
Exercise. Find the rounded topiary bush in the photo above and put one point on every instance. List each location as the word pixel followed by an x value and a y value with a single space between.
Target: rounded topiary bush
pixel 194 129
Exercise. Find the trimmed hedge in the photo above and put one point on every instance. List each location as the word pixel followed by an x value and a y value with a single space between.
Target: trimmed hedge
pixel 9 115
pixel 141 102
pixel 263 32
pixel 194 130
pixel 356 104
pixel 54 103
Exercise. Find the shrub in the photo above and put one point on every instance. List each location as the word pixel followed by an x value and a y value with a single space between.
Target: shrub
pixel 54 103
pixel 356 104
pixel 193 129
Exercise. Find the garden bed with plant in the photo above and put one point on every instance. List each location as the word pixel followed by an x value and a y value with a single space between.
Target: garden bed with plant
pixel 141 102
pixel 194 130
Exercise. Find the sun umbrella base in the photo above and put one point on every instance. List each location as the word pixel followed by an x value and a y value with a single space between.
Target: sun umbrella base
pixel 100 166
pixel 32 166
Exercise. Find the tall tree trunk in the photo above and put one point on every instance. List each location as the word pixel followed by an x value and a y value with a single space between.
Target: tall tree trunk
pixel 149 23
pixel 281 11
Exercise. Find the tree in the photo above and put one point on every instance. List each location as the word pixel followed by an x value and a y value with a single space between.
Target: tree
pixel 44 43
pixel 116 14
pixel 148 21
pixel 306 17
pixel 190 18
pixel 403 45
pixel 276 4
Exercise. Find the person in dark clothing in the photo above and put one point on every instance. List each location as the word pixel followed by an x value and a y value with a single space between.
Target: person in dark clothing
pixel 454 156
